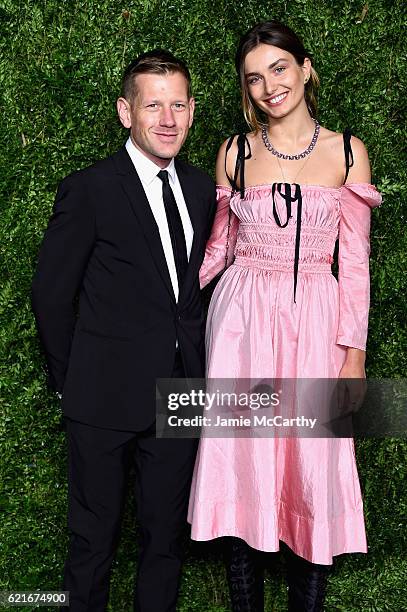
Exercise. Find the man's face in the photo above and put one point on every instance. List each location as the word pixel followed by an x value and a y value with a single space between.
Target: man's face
pixel 160 115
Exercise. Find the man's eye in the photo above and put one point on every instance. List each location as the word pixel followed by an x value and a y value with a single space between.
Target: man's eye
pixel 179 105
pixel 152 105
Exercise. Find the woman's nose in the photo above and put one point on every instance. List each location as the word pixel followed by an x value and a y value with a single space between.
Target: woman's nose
pixel 270 85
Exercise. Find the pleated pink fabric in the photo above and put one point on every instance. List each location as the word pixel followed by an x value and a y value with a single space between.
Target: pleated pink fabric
pixel 302 491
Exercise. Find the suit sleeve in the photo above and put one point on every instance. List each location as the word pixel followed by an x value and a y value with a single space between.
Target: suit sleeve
pixel 63 257
pixel 222 240
pixel 354 249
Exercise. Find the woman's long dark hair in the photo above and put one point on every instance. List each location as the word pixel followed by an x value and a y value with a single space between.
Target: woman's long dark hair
pixel 279 35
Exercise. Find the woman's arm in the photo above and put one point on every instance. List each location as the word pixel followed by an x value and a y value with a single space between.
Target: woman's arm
pixel 354 250
pixel 354 366
pixel 221 243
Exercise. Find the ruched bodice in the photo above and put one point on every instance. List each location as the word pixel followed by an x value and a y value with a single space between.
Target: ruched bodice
pixel 321 214
pixel 321 206
pixel 262 243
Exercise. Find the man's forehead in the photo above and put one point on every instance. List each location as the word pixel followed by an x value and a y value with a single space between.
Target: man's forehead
pixel 170 81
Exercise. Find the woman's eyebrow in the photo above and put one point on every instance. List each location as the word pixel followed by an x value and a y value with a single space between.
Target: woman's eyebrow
pixel 280 59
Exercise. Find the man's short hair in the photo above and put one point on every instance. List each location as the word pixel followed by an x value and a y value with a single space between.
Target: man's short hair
pixel 157 61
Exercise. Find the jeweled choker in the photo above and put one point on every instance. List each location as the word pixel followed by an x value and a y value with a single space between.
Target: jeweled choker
pixel 307 151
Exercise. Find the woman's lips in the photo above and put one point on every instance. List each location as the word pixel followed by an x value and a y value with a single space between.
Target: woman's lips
pixel 276 100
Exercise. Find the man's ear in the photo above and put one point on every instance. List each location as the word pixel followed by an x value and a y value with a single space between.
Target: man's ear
pixel 191 110
pixel 124 112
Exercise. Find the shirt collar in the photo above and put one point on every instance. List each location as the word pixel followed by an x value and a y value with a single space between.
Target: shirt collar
pixel 146 169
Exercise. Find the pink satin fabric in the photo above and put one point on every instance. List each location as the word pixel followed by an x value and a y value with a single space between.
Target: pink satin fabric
pixel 302 491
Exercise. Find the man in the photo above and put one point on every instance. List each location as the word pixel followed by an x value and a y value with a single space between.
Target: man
pixel 128 236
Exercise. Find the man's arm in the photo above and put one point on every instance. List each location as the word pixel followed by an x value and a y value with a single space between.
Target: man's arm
pixel 63 257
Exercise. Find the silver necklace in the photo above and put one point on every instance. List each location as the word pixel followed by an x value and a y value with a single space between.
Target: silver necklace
pixel 279 155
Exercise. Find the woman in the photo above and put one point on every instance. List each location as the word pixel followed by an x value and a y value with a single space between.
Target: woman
pixel 285 192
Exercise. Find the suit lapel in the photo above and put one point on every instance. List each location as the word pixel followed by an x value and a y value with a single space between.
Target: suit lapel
pixel 134 190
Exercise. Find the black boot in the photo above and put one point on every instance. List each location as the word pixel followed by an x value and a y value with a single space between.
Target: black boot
pixel 306 584
pixel 245 577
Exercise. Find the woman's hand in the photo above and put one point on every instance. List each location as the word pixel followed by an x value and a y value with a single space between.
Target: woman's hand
pixel 354 366
pixel 352 381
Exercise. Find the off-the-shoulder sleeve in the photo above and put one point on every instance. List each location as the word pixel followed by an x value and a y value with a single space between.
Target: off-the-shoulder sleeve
pixel 356 201
pixel 222 241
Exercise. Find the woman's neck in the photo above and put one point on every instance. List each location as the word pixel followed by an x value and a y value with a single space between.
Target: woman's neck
pixel 292 131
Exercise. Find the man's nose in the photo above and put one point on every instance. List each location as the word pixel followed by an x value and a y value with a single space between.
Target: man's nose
pixel 167 116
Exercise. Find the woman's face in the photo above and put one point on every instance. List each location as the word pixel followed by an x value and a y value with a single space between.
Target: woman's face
pixel 274 80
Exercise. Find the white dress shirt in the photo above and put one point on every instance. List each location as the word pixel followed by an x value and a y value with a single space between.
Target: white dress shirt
pixel 153 187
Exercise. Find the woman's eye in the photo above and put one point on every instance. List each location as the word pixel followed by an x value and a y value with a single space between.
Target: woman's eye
pixel 253 80
pixel 280 69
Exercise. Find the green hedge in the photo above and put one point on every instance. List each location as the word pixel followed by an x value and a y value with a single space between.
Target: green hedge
pixel 60 70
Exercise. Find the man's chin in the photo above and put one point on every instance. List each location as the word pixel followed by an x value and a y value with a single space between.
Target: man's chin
pixel 156 154
pixel 166 154
pixel 167 150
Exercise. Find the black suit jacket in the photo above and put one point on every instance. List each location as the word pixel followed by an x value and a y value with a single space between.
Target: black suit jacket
pixel 103 246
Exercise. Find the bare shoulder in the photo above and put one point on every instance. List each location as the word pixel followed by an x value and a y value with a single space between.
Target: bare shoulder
pixel 223 149
pixel 359 149
pixel 331 149
pixel 359 172
pixel 330 139
pixel 223 162
pixel 335 141
pixel 226 160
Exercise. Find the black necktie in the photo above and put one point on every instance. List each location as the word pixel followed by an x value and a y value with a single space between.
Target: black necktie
pixel 175 226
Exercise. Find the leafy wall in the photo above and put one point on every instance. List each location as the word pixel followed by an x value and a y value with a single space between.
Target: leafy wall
pixel 60 71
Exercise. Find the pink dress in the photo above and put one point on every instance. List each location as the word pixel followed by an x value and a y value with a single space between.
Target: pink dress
pixel 303 491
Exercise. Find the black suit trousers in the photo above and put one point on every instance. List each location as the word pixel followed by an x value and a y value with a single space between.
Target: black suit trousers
pixel 99 462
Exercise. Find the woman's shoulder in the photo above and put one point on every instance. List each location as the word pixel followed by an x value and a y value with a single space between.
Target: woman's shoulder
pixel 227 155
pixel 334 149
pixel 231 142
pixel 336 139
